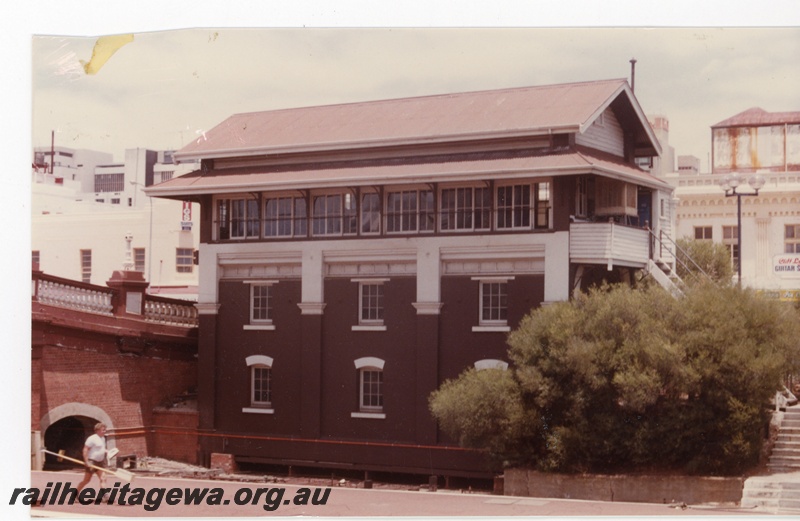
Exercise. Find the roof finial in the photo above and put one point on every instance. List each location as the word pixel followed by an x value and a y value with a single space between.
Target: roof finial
pixel 633 73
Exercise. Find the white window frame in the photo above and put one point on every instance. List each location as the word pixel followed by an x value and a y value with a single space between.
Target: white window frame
pixel 140 259
pixel 515 208
pixel 419 212
pixel 489 325
pixel 255 362
pixel 328 218
pixel 181 258
pixel 369 365
pixel 262 324
pixel 464 210
pixel 298 224
pixel 246 220
pixel 370 218
pixel 369 324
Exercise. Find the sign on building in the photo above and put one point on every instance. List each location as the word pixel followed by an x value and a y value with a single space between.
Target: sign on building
pixel 786 265
pixel 186 216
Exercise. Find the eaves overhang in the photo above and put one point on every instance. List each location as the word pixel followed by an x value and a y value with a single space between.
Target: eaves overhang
pixel 253 179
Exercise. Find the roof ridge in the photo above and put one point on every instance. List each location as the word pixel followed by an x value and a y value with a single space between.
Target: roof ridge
pixel 433 96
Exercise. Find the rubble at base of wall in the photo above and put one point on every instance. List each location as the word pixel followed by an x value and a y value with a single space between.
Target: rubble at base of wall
pixel 689 490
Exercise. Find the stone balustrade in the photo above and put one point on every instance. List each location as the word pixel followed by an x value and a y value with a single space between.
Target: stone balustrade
pixel 66 295
pixel 173 313
pixel 80 296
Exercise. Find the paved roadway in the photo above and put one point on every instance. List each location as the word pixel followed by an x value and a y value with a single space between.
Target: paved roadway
pixel 348 502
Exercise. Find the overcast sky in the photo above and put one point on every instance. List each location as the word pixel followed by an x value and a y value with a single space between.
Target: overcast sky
pixel 167 87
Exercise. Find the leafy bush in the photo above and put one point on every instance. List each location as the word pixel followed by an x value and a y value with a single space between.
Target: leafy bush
pixel 712 258
pixel 630 379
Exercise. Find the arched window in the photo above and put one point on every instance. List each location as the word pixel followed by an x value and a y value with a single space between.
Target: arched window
pixel 260 384
pixel 370 388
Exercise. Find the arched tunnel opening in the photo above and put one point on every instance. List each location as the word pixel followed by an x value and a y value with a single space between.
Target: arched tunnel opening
pixel 67 434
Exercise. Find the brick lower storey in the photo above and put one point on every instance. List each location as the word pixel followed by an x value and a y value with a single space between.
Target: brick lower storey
pixel 75 387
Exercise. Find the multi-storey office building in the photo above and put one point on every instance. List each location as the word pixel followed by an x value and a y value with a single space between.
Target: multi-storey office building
pixel 70 167
pixel 355 256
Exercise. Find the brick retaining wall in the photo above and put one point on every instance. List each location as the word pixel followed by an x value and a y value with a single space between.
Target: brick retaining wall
pixel 637 489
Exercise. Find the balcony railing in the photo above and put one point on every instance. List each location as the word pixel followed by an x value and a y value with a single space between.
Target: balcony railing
pixel 608 243
pixel 88 298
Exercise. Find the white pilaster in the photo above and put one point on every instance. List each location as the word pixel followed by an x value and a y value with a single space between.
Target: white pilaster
pixel 208 279
pixel 428 273
pixel 556 268
pixel 313 274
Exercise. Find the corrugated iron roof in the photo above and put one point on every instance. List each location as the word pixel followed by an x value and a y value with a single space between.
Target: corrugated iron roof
pixel 514 111
pixel 443 169
pixel 758 117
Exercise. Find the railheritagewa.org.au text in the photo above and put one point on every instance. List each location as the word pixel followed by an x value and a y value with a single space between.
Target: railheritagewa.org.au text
pixel 151 499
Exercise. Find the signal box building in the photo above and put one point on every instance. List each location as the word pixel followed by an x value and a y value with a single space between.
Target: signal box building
pixel 353 257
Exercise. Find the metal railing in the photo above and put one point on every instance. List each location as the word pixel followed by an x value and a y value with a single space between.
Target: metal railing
pixel 674 252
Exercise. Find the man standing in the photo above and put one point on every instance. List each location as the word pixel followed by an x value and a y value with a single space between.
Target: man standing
pixel 94 453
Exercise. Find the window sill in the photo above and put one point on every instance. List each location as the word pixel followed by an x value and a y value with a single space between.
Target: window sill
pixel 369 328
pixel 491 329
pixel 258 410
pixel 259 327
pixel 368 415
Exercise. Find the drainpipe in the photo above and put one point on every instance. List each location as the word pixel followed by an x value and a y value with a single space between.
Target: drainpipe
pixel 52 149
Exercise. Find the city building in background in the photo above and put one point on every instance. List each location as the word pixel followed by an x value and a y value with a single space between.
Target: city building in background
pixel 84 204
pixel 752 143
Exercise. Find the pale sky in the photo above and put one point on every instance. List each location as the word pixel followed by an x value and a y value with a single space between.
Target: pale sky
pixel 167 87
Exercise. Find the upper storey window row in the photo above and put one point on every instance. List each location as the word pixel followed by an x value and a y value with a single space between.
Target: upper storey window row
pixel 370 212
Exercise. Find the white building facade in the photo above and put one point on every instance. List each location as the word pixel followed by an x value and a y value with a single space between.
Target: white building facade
pixel 752 143
pixel 82 211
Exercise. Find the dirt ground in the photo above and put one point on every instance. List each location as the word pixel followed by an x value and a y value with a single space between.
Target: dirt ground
pixel 160 467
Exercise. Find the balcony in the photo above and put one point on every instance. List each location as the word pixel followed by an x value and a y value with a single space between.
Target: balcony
pixel 608 243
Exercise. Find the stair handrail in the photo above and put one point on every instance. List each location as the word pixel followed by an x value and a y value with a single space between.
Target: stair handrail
pixel 678 249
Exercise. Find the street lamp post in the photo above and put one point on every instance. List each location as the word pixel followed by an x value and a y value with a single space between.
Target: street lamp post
pixel 730 183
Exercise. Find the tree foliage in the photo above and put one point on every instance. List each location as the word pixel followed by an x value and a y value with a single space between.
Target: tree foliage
pixel 712 258
pixel 625 379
